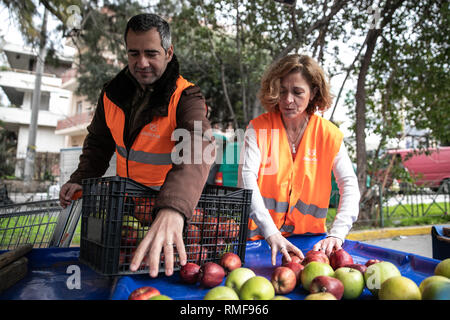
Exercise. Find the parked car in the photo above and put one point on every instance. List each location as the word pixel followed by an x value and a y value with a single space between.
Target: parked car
pixel 429 169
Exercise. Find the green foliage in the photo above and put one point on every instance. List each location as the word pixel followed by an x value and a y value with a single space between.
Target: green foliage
pixel 8 142
pixel 101 46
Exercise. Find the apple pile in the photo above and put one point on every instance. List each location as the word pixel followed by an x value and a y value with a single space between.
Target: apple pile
pixel 329 277
pixel 341 278
pixel 243 284
pixel 210 274
pixel 206 237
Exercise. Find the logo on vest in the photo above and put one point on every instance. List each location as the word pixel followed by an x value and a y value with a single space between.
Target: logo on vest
pixel 151 131
pixel 310 156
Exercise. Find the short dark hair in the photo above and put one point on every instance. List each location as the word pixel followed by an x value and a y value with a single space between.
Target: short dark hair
pixel 146 21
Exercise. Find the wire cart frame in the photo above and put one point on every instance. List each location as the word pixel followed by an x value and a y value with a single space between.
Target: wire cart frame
pixel 40 223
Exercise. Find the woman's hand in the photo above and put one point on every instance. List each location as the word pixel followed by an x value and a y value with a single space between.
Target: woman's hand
pixel 328 244
pixel 279 243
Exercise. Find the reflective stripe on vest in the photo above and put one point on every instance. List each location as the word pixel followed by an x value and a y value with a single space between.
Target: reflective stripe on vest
pixel 296 193
pixel 150 156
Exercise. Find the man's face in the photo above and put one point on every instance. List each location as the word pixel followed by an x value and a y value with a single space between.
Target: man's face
pixel 147 60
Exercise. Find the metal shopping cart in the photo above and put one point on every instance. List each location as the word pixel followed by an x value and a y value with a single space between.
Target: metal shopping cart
pixel 40 223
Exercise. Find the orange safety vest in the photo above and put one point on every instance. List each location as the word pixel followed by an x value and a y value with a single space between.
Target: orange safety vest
pixel 296 193
pixel 149 158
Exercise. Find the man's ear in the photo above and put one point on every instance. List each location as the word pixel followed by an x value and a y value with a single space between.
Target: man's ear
pixel 169 53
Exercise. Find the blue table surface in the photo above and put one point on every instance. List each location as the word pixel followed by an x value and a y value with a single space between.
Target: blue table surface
pixel 52 273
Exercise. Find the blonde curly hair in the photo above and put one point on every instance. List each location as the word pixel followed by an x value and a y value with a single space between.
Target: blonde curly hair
pixel 269 93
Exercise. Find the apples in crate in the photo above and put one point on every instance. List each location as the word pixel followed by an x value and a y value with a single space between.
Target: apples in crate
pixel 143 208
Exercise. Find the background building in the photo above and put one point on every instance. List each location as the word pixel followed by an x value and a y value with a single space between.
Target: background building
pixel 17 78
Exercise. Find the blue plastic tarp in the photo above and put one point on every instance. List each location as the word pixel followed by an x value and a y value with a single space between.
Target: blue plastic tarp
pixel 57 274
pixel 51 273
pixel 258 259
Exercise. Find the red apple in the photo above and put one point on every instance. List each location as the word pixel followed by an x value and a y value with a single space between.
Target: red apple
pixel 339 258
pixel 230 261
pixel 144 262
pixel 209 227
pixel 221 245
pixel 143 208
pixel 228 229
pixel 189 273
pixel 294 258
pixel 143 293
pixel 196 253
pixel 283 280
pixel 360 267
pixel 197 216
pixel 129 237
pixel 372 261
pixel 193 234
pixel 318 256
pixel 296 267
pixel 327 284
pixel 122 257
pixel 211 274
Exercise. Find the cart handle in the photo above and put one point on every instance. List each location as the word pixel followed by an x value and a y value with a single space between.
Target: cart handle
pixel 77 195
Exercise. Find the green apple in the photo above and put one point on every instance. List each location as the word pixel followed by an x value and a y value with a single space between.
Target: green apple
pixel 436 290
pixel 281 298
pixel 161 297
pixel 443 268
pixel 221 293
pixel 257 288
pixel 314 269
pixel 430 279
pixel 353 281
pixel 131 222
pixel 237 277
pixel 399 288
pixel 320 296
pixel 377 273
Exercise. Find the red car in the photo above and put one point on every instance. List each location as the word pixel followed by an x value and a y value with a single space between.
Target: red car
pixel 431 170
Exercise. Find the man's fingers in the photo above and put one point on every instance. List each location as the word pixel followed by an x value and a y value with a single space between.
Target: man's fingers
pixel 168 258
pixel 181 250
pixel 154 258
pixel 139 254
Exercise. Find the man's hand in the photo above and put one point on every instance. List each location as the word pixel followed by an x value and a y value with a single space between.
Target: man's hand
pixel 66 193
pixel 166 231
pixel 328 244
pixel 279 243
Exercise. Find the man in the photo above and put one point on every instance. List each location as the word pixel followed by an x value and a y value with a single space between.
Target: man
pixel 135 116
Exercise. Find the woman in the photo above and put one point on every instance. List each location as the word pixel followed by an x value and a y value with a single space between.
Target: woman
pixel 288 155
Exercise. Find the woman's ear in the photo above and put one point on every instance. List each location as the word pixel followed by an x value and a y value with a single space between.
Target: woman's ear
pixel 314 92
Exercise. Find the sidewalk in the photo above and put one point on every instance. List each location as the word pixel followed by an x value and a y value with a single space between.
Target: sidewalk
pixel 416 239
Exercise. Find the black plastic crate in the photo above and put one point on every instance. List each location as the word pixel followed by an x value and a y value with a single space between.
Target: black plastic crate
pixel 117 212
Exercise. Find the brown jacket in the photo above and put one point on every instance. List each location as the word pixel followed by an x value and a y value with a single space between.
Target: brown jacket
pixel 184 182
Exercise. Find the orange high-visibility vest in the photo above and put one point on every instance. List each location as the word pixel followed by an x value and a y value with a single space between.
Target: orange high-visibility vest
pixel 296 193
pixel 149 158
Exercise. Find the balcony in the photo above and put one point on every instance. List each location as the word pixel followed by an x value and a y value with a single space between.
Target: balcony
pixel 74 125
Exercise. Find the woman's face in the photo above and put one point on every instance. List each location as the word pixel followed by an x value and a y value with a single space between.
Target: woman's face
pixel 295 95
